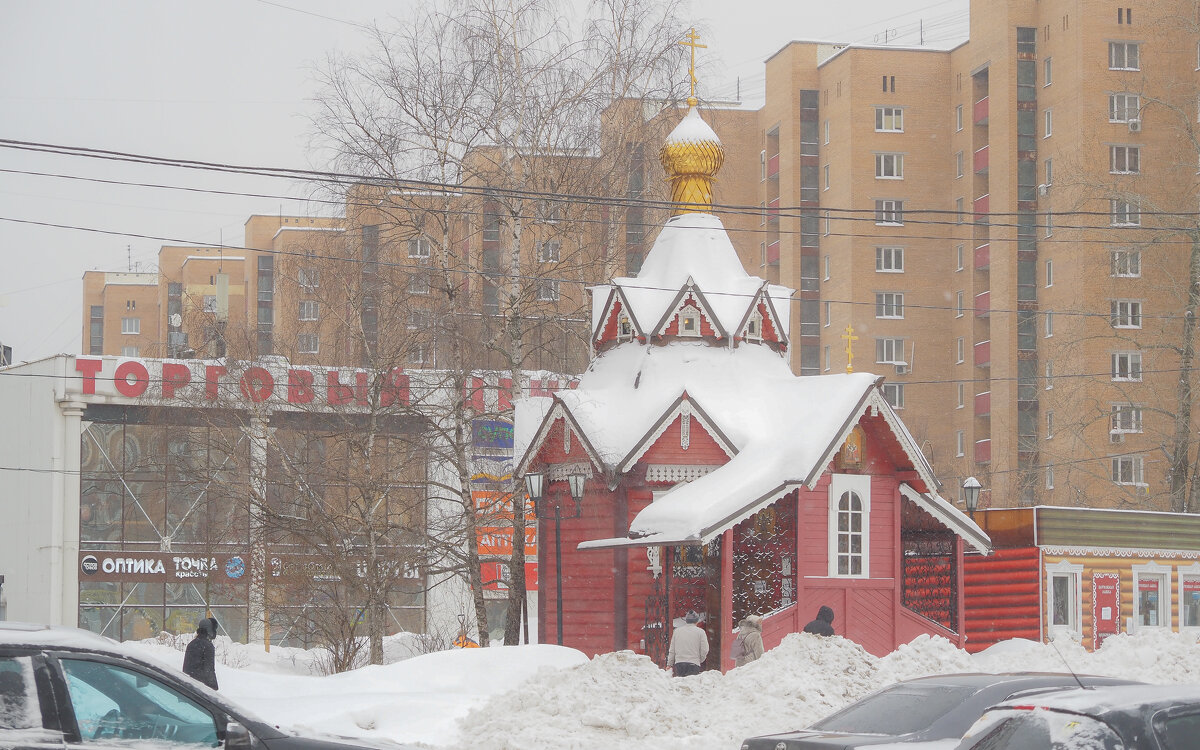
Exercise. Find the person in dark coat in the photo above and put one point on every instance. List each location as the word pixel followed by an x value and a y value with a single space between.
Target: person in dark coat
pixel 823 625
pixel 200 658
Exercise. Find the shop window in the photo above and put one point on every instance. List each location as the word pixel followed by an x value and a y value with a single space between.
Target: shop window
pixel 1151 596
pixel 849 530
pixel 1189 596
pixel 1064 600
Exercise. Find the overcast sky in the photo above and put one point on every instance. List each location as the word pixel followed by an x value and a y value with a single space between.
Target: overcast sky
pixel 230 81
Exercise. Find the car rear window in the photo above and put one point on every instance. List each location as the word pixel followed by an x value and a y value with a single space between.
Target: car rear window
pixel 899 710
pixel 1040 730
pixel 19 707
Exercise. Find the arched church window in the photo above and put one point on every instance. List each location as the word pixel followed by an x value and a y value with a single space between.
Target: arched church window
pixel 850 537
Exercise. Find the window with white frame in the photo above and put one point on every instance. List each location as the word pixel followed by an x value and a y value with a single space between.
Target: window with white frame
pixel 827 132
pixel 1124 213
pixel 828 223
pixel 827 268
pixel 962 396
pixel 309 309
pixel 1124 159
pixel 960 252
pixel 849 528
pixel 547 290
pixel 828 359
pixel 1123 107
pixel 1049 425
pixel 624 328
pixel 1123 56
pixel 1064 597
pixel 689 322
pixel 308 278
pixel 889 259
pixel 889 350
pixel 1189 596
pixel 889 305
pixel 1127 470
pixel 1050 375
pixel 419 247
pixel 1047 71
pixel 1049 476
pixel 889 211
pixel 129 351
pixel 754 326
pixel 1126 263
pixel 828 312
pixel 208 303
pixel 1126 366
pixel 958 117
pixel 418 319
pixel 308 343
pixel 960 443
pixel 889 166
pixel 1125 313
pixel 958 164
pixel 960 304
pixel 1151 596
pixel 960 350
pixel 1126 418
pixel 1049 320
pixel 1048 172
pixel 418 283
pixel 549 251
pixel 893 393
pixel 889 120
pixel 131 325
pixel 550 211
pixel 960 211
pixel 417 355
pixel 1048 121
pixel 825 175
pixel 1049 273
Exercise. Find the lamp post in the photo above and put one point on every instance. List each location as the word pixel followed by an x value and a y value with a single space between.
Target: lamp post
pixel 971 487
pixel 535 485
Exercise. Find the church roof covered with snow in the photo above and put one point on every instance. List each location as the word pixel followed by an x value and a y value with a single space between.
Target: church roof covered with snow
pixel 694 337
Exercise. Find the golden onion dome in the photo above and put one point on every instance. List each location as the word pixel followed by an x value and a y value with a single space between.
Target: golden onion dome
pixel 692 156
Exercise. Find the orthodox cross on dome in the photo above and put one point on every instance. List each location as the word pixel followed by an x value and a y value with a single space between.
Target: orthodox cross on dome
pixel 850 339
pixel 692 40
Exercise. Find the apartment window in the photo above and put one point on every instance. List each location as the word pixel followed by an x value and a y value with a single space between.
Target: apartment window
pixel 308 343
pixel 418 283
pixel 547 290
pixel 827 223
pixel 962 395
pixel 960 443
pixel 1050 375
pixel 418 319
pixel 208 303
pixel 1127 263
pixel 889 212
pixel 549 251
pixel 1049 425
pixel 308 309
pixel 889 85
pixel 1049 317
pixel 827 132
pixel 1123 107
pixel 550 211
pixel 849 534
pixel 1124 159
pixel 308 278
pixel 419 247
pixel 1048 172
pixel 889 305
pixel 1126 366
pixel 1049 219
pixel 889 120
pixel 889 166
pixel 131 325
pixel 129 351
pixel 1123 56
pixel 959 253
pixel 827 359
pixel 960 211
pixel 889 259
pixel 828 311
pixel 958 117
pixel 959 304
pixel 1127 470
pixel 1047 71
pixel 1064 598
pixel 1151 596
pixel 1126 418
pixel 825 175
pixel 889 351
pixel 1126 313
pixel 1049 476
pixel 827 268
pixel 894 394
pixel 1124 214
pixel 960 350
pixel 1048 119
pixel 958 164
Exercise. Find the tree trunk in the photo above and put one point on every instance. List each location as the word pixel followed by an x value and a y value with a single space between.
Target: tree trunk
pixel 1181 442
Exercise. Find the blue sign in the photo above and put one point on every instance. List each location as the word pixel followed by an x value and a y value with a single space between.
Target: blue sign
pixel 492 433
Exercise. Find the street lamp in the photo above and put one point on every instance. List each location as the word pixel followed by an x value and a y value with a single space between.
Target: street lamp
pixel 971 487
pixel 535 485
pixel 534 482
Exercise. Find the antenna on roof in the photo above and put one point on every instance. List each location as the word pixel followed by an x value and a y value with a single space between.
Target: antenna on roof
pixel 1068 665
pixel 129 257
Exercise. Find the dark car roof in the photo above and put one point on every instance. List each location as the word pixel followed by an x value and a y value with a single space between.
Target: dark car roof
pixel 1115 698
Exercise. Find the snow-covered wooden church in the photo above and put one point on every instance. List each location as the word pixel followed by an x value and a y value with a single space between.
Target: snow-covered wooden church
pixel 716 479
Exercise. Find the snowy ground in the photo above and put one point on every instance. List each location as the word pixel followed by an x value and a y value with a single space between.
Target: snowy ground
pixel 533 697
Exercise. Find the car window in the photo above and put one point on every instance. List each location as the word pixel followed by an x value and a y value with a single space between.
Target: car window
pixel 19 708
pixel 1040 730
pixel 900 710
pixel 120 703
pixel 1180 732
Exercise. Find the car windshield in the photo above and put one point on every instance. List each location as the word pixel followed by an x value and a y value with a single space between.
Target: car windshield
pixel 1040 730
pixel 898 710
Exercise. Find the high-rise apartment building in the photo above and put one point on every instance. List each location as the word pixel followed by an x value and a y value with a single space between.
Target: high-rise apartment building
pixel 1006 231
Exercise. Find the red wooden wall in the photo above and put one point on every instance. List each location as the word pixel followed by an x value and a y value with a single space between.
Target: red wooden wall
pixel 1003 597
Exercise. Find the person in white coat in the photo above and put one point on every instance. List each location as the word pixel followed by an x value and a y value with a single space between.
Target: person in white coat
pixel 751 642
pixel 689 647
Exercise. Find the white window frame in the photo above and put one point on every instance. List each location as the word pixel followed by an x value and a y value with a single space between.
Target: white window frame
pixel 308 343
pixel 1124 159
pixel 419 283
pixel 962 396
pixel 1190 572
pixel 1124 213
pixel 958 118
pixel 549 251
pixel 961 251
pixel 860 485
pixel 1134 477
pixel 419 247
pixel 889 305
pixel 828 359
pixel 889 212
pixel 1163 612
pixel 1047 72
pixel 825 174
pixel 754 326
pixel 308 278
pixel 131 326
pixel 1126 367
pixel 309 310
pixel 889 166
pixel 1049 476
pixel 1049 324
pixel 828 312
pixel 889 259
pixel 689 322
pixel 960 443
pixel 1050 375
pixel 1125 418
pixel 1047 122
pixel 961 353
pixel 624 328
pixel 889 350
pixel 1125 313
pixel 958 164
pixel 893 393
pixel 1050 424
pixel 889 119
pixel 1118 56
pixel 960 303
pixel 547 290
pixel 1049 273
pixel 1073 573
pixel 129 351
pixel 1126 264
pixel 1121 104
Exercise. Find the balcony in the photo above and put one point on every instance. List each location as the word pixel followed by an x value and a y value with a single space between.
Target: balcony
pixel 983 451
pixel 983 304
pixel 773 253
pixel 982 206
pixel 983 404
pixel 983 354
pixel 979 114
pixel 980 160
pixel 773 166
pixel 983 257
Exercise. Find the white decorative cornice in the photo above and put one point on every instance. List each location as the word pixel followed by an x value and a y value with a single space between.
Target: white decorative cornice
pixel 1131 552
pixel 676 473
pixel 559 472
pixel 684 410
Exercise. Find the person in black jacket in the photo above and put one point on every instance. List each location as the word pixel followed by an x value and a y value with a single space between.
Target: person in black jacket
pixel 199 660
pixel 823 625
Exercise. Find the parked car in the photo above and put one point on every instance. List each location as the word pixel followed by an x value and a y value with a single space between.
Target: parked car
pixel 921 710
pixel 67 688
pixel 1142 717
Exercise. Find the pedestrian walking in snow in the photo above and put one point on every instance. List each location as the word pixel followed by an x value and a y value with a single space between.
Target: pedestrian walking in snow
pixel 689 647
pixel 200 658
pixel 748 643
pixel 823 625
